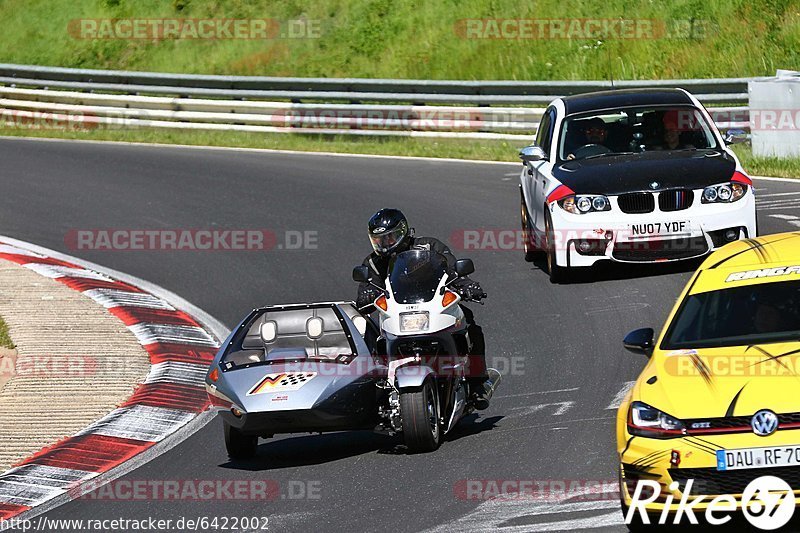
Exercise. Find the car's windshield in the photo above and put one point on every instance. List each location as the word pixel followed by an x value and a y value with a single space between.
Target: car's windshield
pixel 634 129
pixel 741 316
pixel 415 275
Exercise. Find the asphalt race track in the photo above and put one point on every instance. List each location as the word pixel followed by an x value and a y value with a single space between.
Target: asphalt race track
pixel 560 346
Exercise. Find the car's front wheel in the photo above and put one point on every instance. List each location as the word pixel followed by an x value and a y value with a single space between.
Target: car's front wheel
pixel 239 445
pixel 557 273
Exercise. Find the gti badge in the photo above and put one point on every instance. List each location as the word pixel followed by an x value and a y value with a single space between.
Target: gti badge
pixel 764 423
pixel 655 185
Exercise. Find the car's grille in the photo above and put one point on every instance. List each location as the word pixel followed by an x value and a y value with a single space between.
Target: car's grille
pixel 734 424
pixel 659 250
pixel 675 200
pixel 710 481
pixel 637 203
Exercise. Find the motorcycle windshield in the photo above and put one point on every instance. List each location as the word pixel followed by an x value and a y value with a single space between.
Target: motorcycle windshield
pixel 415 275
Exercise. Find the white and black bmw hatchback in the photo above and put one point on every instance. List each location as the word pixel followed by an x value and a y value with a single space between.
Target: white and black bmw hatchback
pixel 631 176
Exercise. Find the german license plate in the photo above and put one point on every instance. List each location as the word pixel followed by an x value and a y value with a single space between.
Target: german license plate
pixel 745 458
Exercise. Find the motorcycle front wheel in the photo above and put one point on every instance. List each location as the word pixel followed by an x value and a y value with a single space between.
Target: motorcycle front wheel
pixel 420 413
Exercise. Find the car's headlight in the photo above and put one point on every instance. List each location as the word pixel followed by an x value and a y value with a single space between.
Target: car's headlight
pixel 724 193
pixel 646 421
pixel 580 204
pixel 410 322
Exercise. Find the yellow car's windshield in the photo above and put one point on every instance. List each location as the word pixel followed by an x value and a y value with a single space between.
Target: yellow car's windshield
pixel 741 316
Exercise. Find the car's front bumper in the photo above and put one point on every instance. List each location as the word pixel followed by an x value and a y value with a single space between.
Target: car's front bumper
pixel 613 236
pixel 654 459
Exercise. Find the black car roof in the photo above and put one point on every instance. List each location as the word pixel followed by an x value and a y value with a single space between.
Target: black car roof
pixel 581 103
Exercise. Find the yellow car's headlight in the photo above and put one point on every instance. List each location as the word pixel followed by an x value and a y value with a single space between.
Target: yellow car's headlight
pixel 646 421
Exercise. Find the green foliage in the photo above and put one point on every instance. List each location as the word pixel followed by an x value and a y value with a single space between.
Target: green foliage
pixel 412 39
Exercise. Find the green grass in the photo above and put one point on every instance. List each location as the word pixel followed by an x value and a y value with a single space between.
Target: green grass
pixel 449 148
pixel 767 166
pixel 411 39
pixel 5 340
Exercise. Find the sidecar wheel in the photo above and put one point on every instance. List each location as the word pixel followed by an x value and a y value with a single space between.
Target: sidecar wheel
pixel 420 411
pixel 239 445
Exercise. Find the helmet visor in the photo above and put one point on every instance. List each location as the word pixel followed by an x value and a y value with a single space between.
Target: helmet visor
pixel 383 242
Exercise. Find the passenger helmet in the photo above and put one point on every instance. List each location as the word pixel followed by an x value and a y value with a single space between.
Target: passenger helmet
pixel 388 231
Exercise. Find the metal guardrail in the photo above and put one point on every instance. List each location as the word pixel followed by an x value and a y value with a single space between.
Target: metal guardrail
pixel 314 105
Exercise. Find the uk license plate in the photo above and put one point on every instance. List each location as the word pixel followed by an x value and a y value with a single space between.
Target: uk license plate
pixel 659 229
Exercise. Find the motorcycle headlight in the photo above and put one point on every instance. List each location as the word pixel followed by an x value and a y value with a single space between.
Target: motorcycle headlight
pixel 647 421
pixel 411 322
pixel 582 204
pixel 724 193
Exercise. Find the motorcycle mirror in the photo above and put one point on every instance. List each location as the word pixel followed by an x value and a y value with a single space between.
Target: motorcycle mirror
pixel 361 274
pixel 464 267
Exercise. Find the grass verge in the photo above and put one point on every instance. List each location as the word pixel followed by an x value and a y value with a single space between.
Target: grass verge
pixel 400 146
pixel 5 340
pixel 426 40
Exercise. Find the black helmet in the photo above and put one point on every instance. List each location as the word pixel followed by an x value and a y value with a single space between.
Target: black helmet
pixel 388 231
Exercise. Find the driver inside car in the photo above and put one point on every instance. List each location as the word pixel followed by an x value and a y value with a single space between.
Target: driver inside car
pixel 390 235
pixel 595 132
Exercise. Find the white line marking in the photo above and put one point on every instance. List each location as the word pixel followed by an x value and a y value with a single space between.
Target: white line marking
pixel 57 271
pixel 32 484
pixel 156 333
pixel 773 195
pixel 268 151
pixel 785 217
pixel 527 410
pixel 109 298
pixel 493 515
pixel 535 393
pixel 617 401
pixel 140 422
pixel 177 372
pixel 6 249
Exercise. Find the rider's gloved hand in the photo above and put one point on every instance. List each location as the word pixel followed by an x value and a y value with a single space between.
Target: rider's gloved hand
pixel 472 291
pixel 367 296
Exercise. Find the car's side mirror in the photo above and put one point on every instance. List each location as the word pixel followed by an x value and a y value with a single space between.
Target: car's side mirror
pixel 640 341
pixel 361 274
pixel 531 154
pixel 735 136
pixel 464 267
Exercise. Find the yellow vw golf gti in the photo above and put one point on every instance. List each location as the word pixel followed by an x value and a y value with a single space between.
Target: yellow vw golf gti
pixel 717 406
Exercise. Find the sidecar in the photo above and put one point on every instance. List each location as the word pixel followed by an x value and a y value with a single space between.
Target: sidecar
pixel 296 368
